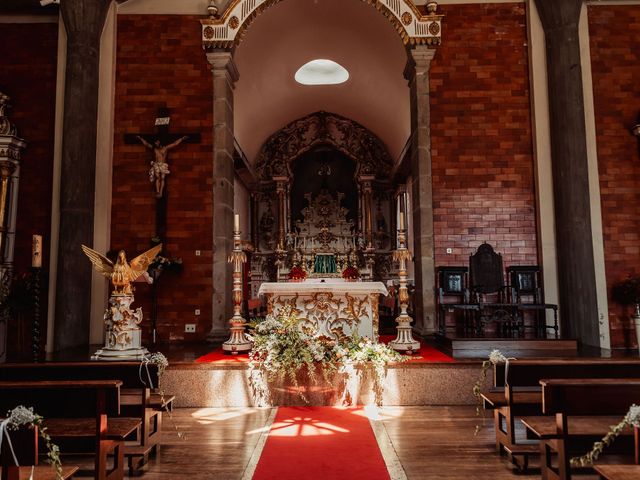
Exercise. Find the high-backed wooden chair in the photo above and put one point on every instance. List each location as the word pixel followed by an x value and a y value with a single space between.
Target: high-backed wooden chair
pixel 489 291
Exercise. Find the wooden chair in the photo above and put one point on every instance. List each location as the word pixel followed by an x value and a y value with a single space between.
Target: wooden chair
pixel 489 291
pixel 584 409
pixel 525 291
pixel 452 295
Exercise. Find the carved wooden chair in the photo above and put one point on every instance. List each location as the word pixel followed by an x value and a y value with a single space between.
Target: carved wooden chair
pixel 452 295
pixel 489 291
pixel 525 290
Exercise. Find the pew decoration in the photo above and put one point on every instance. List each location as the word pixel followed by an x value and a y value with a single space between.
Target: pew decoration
pixel 22 416
pixel 495 357
pixel 285 348
pixel 159 360
pixel 631 419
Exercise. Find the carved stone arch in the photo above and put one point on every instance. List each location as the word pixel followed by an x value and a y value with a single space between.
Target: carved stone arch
pixel 414 28
pixel 323 128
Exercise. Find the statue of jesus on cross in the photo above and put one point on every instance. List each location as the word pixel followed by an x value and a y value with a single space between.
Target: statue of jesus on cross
pixel 159 166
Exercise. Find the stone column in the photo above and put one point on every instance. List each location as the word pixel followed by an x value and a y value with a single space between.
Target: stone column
pixel 225 75
pixel 83 21
pixel 576 270
pixel 417 73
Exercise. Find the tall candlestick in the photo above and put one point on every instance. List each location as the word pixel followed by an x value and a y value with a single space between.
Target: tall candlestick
pixel 236 223
pixel 36 252
pixel 401 221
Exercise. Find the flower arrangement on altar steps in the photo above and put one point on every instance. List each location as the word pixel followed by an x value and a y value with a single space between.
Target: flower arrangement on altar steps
pixel 297 273
pixel 350 274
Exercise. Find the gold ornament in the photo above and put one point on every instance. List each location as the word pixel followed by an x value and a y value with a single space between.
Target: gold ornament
pixel 122 273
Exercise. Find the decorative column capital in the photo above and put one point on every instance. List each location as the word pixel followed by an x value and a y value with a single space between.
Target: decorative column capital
pixel 559 14
pixel 222 63
pixel 419 61
pixel 366 181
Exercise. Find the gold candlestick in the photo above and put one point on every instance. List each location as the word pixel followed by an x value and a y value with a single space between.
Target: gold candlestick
pixel 238 343
pixel 404 341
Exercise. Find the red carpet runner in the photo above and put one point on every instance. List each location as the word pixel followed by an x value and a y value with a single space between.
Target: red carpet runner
pixel 427 354
pixel 323 443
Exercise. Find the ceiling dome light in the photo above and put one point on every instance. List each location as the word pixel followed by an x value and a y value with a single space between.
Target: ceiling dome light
pixel 321 72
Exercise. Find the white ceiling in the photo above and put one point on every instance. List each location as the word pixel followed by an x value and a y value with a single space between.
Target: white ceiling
pixel 293 32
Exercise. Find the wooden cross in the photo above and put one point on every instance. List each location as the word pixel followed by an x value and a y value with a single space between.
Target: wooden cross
pixel 160 143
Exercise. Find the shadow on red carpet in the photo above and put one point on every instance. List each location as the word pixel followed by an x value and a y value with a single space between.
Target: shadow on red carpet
pixel 321 443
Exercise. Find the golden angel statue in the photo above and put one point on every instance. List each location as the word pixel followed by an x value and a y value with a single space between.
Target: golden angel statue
pixel 122 273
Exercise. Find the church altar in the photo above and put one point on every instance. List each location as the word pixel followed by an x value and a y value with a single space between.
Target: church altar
pixel 329 306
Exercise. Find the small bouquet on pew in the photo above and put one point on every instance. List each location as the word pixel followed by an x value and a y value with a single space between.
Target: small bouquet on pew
pixel 631 419
pixel 495 357
pixel 25 417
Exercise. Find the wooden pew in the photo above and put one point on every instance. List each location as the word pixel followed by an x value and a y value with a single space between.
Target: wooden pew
pixel 519 394
pixel 25 447
pixel 78 410
pixel 136 397
pixel 584 410
pixel 618 472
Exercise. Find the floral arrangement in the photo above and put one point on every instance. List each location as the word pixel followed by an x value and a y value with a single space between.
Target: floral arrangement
pixel 631 419
pixel 627 292
pixel 350 273
pixel 281 350
pixel 495 358
pixel 23 416
pixel 159 360
pixel 297 273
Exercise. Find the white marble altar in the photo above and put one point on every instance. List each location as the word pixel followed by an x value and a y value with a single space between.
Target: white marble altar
pixel 331 307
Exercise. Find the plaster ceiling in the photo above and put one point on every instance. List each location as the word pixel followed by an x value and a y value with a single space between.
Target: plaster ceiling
pixel 291 33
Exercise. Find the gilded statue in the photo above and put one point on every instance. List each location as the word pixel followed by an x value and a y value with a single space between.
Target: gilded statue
pixel 121 273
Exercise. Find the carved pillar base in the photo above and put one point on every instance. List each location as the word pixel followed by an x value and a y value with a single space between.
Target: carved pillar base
pixel 123 339
pixel 404 341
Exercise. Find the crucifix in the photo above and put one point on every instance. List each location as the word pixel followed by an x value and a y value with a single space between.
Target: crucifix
pixel 160 144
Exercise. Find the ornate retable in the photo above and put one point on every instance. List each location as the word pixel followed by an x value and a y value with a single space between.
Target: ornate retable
pixel 329 306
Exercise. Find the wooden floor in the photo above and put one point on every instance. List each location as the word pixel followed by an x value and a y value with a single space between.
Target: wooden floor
pixel 431 443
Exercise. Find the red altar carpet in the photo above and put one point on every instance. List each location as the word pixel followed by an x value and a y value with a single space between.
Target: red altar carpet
pixel 427 354
pixel 321 443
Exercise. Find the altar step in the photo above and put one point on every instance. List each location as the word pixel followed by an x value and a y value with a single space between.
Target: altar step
pixel 228 385
pixel 480 347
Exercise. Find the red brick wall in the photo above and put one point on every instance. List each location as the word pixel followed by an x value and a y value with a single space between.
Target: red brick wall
pixel 615 63
pixel 160 62
pixel 482 154
pixel 28 76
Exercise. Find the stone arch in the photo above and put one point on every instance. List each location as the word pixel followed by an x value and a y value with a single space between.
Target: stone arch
pixel 323 128
pixel 414 28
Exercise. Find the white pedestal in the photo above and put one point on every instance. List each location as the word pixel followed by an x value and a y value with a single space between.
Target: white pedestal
pixel 123 339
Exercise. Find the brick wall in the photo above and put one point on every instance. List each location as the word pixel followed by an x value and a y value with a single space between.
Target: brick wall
pixel 615 63
pixel 28 76
pixel 482 154
pixel 160 62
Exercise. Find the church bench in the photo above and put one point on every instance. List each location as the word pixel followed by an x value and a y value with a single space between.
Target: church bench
pixel 583 409
pixel 25 447
pixel 136 397
pixel 77 410
pixel 618 472
pixel 521 390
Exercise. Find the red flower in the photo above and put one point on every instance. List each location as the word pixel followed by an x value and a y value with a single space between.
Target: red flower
pixel 297 273
pixel 351 273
